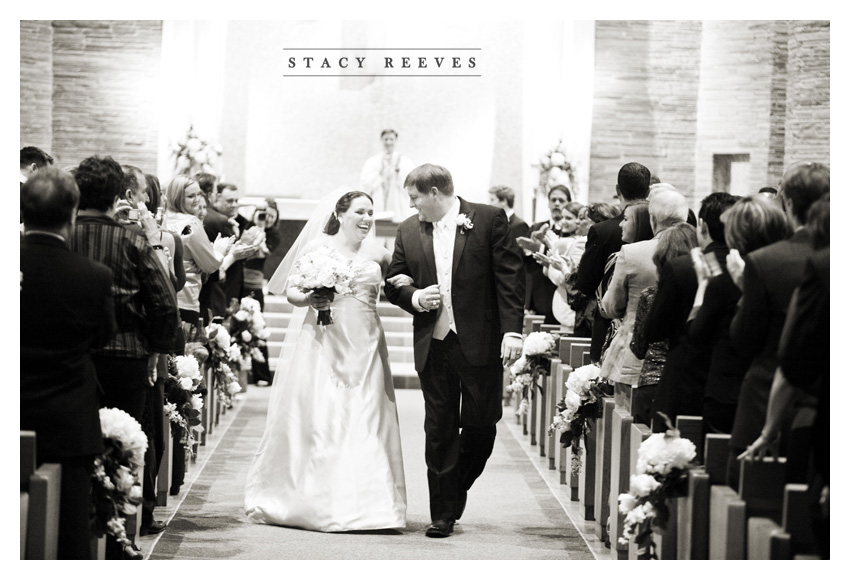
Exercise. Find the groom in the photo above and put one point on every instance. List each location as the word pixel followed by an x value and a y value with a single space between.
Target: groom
pixel 466 297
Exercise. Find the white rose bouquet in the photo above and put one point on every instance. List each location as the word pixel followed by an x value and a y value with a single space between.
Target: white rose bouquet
pixel 116 487
pixel 538 349
pixel 184 398
pixel 324 273
pixel 582 402
pixel 661 474
pixel 247 330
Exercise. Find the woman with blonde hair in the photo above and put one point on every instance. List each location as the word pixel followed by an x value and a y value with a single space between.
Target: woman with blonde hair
pixel 200 256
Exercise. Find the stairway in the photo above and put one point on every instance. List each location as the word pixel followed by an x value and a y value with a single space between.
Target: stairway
pixel 397 327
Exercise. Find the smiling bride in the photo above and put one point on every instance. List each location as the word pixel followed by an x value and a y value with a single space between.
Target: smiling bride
pixel 330 458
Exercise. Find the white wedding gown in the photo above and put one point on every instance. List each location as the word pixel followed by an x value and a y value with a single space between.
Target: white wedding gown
pixel 330 458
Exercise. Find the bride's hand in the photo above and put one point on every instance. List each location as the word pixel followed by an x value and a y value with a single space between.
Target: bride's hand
pixel 320 300
pixel 400 280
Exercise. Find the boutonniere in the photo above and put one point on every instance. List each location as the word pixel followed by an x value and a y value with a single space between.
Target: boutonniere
pixel 464 223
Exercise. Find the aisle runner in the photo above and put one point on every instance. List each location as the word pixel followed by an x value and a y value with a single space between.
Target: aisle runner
pixel 511 515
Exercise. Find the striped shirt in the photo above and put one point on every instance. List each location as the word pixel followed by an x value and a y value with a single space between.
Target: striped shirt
pixel 145 301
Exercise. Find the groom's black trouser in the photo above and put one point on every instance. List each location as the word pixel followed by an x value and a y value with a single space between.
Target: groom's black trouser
pixel 463 403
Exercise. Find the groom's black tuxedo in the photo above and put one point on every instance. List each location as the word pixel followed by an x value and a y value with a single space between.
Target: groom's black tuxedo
pixel 488 282
pixel 461 375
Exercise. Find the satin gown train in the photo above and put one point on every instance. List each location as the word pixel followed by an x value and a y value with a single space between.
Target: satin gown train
pixel 330 458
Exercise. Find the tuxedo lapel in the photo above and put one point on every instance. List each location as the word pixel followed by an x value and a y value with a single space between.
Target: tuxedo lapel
pixel 426 235
pixel 460 236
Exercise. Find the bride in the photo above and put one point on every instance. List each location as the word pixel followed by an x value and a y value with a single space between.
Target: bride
pixel 330 458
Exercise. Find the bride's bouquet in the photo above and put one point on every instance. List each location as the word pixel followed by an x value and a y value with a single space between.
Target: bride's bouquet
pixel 323 272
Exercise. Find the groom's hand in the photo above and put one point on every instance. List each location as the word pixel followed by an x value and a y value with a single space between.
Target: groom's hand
pixel 429 298
pixel 511 349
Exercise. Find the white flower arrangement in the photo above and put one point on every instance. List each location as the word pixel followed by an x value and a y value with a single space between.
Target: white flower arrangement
pixel 193 154
pixel 661 474
pixel 538 348
pixel 581 402
pixel 184 398
pixel 555 169
pixel 538 343
pixel 116 487
pixel 464 223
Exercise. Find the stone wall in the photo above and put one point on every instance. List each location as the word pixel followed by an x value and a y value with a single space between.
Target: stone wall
pixel 101 78
pixel 36 86
pixel 807 126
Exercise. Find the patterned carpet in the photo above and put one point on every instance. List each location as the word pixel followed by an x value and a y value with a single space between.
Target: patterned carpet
pixel 514 512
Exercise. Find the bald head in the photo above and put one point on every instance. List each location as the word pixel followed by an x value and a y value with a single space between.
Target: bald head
pixel 667 207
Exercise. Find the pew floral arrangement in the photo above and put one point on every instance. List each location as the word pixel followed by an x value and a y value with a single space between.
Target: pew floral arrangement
pixel 582 401
pixel 184 398
pixel 248 332
pixel 661 474
pixel 116 487
pixel 223 356
pixel 324 272
pixel 538 349
pixel 193 154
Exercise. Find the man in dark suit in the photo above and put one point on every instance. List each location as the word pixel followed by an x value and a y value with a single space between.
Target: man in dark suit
pixel 223 219
pixel 539 288
pixel 66 309
pixel 503 196
pixel 682 385
pixel 604 239
pixel 466 296
pixel 770 276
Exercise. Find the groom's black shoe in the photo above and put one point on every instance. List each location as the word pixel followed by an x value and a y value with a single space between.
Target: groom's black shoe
pixel 461 504
pixel 440 529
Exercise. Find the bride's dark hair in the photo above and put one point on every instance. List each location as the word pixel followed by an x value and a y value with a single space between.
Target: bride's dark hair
pixel 342 205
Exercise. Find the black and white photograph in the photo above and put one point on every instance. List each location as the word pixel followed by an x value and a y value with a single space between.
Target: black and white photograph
pixel 424 283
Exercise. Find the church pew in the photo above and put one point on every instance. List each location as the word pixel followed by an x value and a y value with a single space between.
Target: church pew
pixel 25 508
pixel 762 487
pixel 163 477
pixel 42 484
pixel 693 511
pixel 579 350
pixel 621 427
pixel 533 396
pixel 601 499
pixel 796 522
pixel 555 393
pixel 637 435
pixel 690 428
pixel 528 321
pixel 726 524
pixel 587 473
pixel 666 542
pixel 762 544
pixel 98 548
pixel 715 456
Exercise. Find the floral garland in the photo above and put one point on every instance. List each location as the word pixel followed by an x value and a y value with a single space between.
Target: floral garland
pixel 184 398
pixel 555 169
pixel 661 474
pixel 116 488
pixel 582 401
pixel 223 355
pixel 192 154
pixel 538 349
pixel 247 330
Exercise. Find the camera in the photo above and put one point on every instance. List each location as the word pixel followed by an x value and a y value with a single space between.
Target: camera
pixel 261 216
pixel 186 231
pixel 133 215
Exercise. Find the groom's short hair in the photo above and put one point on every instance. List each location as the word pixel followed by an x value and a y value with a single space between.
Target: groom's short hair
pixel 426 176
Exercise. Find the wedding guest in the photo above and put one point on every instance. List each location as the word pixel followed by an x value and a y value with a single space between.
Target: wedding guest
pixel 604 239
pixel 145 305
pixel 33 159
pixel 266 218
pixel 503 196
pixel 66 309
pixel 200 257
pixel 672 243
pixel 561 260
pixel 769 277
pixel 633 272
pixel 382 177
pixel 752 222
pixel 682 386
pixel 539 289
pixel 585 307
